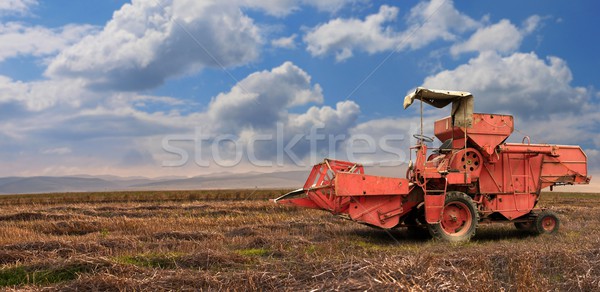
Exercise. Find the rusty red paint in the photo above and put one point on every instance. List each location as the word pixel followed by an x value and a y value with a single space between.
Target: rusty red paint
pixel 456 218
pixel 353 184
pixel 548 223
pixel 503 180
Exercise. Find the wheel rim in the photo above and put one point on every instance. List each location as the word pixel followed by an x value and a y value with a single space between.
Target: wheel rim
pixel 548 223
pixel 456 219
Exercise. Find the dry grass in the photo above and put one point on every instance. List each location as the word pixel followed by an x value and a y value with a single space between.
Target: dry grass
pixel 236 240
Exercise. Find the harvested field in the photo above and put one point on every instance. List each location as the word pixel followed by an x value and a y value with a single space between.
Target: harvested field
pixel 237 240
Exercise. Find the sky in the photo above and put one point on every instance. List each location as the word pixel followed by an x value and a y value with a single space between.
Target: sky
pixel 192 87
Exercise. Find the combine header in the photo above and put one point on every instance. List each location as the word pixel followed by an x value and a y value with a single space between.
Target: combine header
pixel 473 177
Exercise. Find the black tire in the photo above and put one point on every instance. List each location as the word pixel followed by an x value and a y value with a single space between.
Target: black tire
pixel 451 230
pixel 546 222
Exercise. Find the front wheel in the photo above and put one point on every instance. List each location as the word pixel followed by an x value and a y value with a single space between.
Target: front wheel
pixel 459 219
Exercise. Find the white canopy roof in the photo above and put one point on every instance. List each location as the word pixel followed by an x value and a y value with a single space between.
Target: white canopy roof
pixel 462 103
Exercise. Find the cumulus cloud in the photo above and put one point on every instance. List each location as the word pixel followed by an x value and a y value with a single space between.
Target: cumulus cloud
pixel 342 36
pixel 521 83
pixel 270 103
pixel 334 120
pixel 17 39
pixel 285 42
pixel 503 37
pixel 434 20
pixel 147 42
pixel 394 134
pixel 394 137
pixel 282 8
pixel 36 96
pixel 330 5
pixel 426 22
pixel 538 92
pixel 566 128
pixel 330 122
pixel 282 102
pixel 16 6
pixel 263 98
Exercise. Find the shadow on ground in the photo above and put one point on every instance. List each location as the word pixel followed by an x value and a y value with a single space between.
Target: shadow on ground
pixel 403 235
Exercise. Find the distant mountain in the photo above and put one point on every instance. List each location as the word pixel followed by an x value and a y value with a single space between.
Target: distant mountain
pixel 86 183
pixel 287 179
pixel 47 184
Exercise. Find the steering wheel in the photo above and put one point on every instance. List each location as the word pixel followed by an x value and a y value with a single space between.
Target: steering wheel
pixel 423 138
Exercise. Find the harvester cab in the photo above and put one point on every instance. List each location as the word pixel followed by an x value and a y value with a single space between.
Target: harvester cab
pixel 474 177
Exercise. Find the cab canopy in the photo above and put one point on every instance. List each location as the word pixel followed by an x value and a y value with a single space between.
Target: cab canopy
pixel 462 103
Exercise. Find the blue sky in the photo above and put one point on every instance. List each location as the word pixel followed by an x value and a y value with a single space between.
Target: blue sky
pixel 124 88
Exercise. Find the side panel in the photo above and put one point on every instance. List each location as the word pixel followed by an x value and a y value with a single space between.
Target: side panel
pixel 434 204
pixel 382 211
pixel 354 184
pixel 511 180
pixel 569 167
pixel 510 173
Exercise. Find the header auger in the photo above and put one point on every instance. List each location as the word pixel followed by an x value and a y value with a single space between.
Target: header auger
pixel 473 177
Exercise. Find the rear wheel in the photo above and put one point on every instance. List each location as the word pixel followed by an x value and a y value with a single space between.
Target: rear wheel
pixel 459 219
pixel 546 223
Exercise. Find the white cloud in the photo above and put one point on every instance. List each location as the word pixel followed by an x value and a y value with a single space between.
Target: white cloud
pixel 426 22
pixel 263 98
pixel 59 114
pixel 266 103
pixel 334 120
pixel 143 45
pixel 521 83
pixel 16 6
pixel 17 39
pixel 147 42
pixel 41 95
pixel 330 5
pixel 566 128
pixel 285 42
pixel 531 24
pixel 57 151
pixel 66 109
pixel 538 92
pixel 282 8
pixel 436 19
pixel 502 37
pixel 344 35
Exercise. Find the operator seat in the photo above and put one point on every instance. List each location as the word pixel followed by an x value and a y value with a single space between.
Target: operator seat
pixel 446 147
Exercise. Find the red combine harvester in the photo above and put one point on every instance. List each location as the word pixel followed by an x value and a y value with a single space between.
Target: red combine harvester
pixel 473 177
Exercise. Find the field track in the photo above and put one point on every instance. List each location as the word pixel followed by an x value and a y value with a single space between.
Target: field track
pixel 237 240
